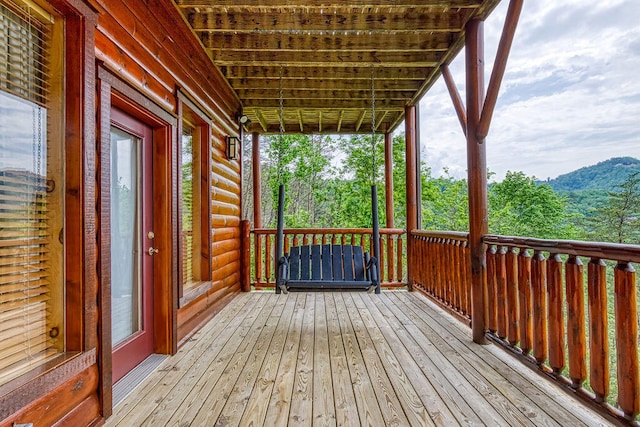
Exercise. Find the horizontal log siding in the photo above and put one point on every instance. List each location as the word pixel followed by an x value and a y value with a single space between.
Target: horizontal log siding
pixel 392 263
pixel 225 240
pixel 156 58
pixel 575 317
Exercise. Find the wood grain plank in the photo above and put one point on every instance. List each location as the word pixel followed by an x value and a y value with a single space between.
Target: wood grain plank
pixel 258 401
pixel 368 408
pixel 176 368
pixel 396 369
pixel 206 373
pixel 385 394
pixel 324 411
pixel 344 398
pixel 251 347
pixel 543 404
pixel 301 411
pixel 280 402
pixel 271 341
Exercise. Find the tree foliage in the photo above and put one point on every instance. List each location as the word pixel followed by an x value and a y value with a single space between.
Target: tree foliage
pixel 328 184
pixel 618 219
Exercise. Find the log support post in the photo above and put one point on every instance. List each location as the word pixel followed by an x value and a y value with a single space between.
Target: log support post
pixel 245 255
pixel 477 176
pixel 412 185
pixel 388 179
pixel 257 197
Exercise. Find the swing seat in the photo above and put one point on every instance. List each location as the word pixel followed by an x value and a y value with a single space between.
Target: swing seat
pixel 327 267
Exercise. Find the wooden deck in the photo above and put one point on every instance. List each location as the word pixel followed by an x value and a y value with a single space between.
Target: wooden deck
pixel 344 359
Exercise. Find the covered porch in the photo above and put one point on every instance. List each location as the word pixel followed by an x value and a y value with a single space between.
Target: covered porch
pixel 344 359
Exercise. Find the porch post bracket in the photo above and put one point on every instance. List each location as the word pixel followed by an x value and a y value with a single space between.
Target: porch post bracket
pixel 499 66
pixel 458 104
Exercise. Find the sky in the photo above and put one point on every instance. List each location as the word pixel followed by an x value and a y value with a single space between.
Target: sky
pixel 570 96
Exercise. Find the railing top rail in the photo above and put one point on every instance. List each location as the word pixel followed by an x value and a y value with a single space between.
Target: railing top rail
pixel 397 231
pixel 598 250
pixel 436 234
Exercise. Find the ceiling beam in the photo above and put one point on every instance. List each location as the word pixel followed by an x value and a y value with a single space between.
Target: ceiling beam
pixel 302 84
pixel 388 104
pixel 326 59
pixel 277 4
pixel 300 42
pixel 321 94
pixel 308 23
pixel 329 73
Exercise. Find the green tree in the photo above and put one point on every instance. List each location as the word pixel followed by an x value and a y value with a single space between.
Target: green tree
pixel 521 207
pixel 618 220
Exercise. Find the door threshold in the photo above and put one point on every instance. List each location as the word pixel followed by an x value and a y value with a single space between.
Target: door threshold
pixel 136 376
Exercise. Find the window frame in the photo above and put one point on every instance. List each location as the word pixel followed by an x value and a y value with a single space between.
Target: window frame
pixel 80 284
pixel 203 124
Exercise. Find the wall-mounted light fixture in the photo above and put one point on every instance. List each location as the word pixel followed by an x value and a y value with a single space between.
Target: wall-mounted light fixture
pixel 244 120
pixel 233 147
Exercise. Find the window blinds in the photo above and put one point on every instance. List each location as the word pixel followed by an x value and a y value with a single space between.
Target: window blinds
pixel 25 267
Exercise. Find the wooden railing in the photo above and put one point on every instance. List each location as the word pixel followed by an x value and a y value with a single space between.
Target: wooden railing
pixel 581 329
pixel 540 305
pixel 440 268
pixel 392 250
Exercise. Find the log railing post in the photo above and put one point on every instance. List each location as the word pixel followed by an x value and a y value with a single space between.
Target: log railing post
pixel 245 258
pixel 524 296
pixel 576 336
pixel 477 176
pixel 512 296
pixel 627 339
pixel 556 320
pixel 539 304
pixel 598 335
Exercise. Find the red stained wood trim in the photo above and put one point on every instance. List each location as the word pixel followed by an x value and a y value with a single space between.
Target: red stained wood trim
pixel 576 338
pixel 52 406
pixel 499 66
pixel 598 324
pixel 539 301
pixel 84 414
pixel 626 310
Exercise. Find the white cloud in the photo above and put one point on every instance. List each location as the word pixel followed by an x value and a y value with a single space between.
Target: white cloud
pixel 570 96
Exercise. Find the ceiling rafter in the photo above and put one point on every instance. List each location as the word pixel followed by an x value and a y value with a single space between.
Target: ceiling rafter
pixel 325 52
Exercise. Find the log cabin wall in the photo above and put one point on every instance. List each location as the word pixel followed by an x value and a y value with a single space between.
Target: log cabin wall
pixel 147 47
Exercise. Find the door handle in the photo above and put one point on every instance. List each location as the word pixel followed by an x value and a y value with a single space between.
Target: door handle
pixel 152 251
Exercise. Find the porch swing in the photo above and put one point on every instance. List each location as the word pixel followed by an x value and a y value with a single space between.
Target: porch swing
pixel 329 266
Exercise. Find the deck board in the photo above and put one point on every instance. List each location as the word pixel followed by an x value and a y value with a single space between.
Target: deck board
pixel 345 359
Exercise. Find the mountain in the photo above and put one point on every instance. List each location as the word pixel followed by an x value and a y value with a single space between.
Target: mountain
pixel 603 176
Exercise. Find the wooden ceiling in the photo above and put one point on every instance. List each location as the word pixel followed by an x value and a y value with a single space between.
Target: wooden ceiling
pixel 321 56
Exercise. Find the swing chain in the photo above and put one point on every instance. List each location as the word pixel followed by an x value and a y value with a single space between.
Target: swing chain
pixel 281 120
pixel 373 126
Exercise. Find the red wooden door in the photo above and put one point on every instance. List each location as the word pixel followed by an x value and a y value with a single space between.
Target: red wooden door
pixel 131 242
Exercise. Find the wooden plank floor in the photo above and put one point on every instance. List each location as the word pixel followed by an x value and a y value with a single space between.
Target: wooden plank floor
pixel 344 359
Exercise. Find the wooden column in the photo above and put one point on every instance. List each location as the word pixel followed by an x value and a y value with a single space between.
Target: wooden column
pixel 411 176
pixel 477 176
pixel 257 197
pixel 388 179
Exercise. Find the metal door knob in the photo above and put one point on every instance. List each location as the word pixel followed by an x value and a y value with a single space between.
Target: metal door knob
pixel 152 251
